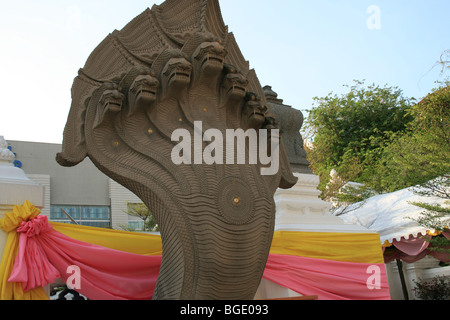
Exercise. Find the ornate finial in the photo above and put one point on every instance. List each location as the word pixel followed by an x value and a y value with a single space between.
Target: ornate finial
pixel 271 95
pixel 5 153
pixel 290 122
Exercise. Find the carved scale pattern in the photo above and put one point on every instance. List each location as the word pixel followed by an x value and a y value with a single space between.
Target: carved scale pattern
pixel 170 66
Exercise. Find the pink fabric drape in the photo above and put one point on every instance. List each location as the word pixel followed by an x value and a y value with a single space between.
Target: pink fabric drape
pixel 328 279
pixel 32 267
pixel 391 255
pixel 413 249
pixel 105 274
pixel 412 246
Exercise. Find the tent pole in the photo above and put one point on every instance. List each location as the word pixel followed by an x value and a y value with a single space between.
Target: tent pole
pixel 402 278
pixel 68 215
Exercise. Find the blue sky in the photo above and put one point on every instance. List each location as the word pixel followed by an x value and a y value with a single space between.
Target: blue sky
pixel 301 48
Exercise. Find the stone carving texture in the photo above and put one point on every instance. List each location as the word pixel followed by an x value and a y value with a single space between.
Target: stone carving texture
pixel 290 121
pixel 170 66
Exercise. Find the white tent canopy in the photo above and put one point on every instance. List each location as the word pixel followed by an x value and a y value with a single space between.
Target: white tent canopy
pixel 390 214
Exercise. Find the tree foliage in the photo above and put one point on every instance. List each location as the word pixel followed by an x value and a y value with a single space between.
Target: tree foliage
pixel 436 217
pixel 377 137
pixel 140 210
pixel 350 131
pixel 437 288
pixel 422 153
pixel 420 157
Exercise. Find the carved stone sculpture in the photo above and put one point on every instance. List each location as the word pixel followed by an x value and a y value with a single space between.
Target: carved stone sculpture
pixel 169 68
pixel 290 121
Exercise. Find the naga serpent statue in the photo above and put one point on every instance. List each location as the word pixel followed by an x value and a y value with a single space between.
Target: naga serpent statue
pixel 172 66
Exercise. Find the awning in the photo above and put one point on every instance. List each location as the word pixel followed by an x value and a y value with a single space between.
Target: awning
pixel 392 217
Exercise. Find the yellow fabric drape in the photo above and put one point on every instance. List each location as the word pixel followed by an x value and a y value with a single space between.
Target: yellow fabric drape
pixel 11 220
pixel 133 242
pixel 346 247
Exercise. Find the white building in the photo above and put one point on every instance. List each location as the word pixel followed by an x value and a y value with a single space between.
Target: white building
pixel 86 194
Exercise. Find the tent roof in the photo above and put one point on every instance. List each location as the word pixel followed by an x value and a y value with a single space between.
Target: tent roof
pixel 390 214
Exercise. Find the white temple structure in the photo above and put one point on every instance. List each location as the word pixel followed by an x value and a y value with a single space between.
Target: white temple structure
pixel 15 187
pixel 300 209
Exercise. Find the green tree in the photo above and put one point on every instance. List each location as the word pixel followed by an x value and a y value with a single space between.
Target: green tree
pixel 420 158
pixel 436 217
pixel 422 153
pixel 141 210
pixel 349 132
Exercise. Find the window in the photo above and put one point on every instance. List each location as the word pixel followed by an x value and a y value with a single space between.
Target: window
pixel 136 212
pixel 94 216
pixel 136 225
